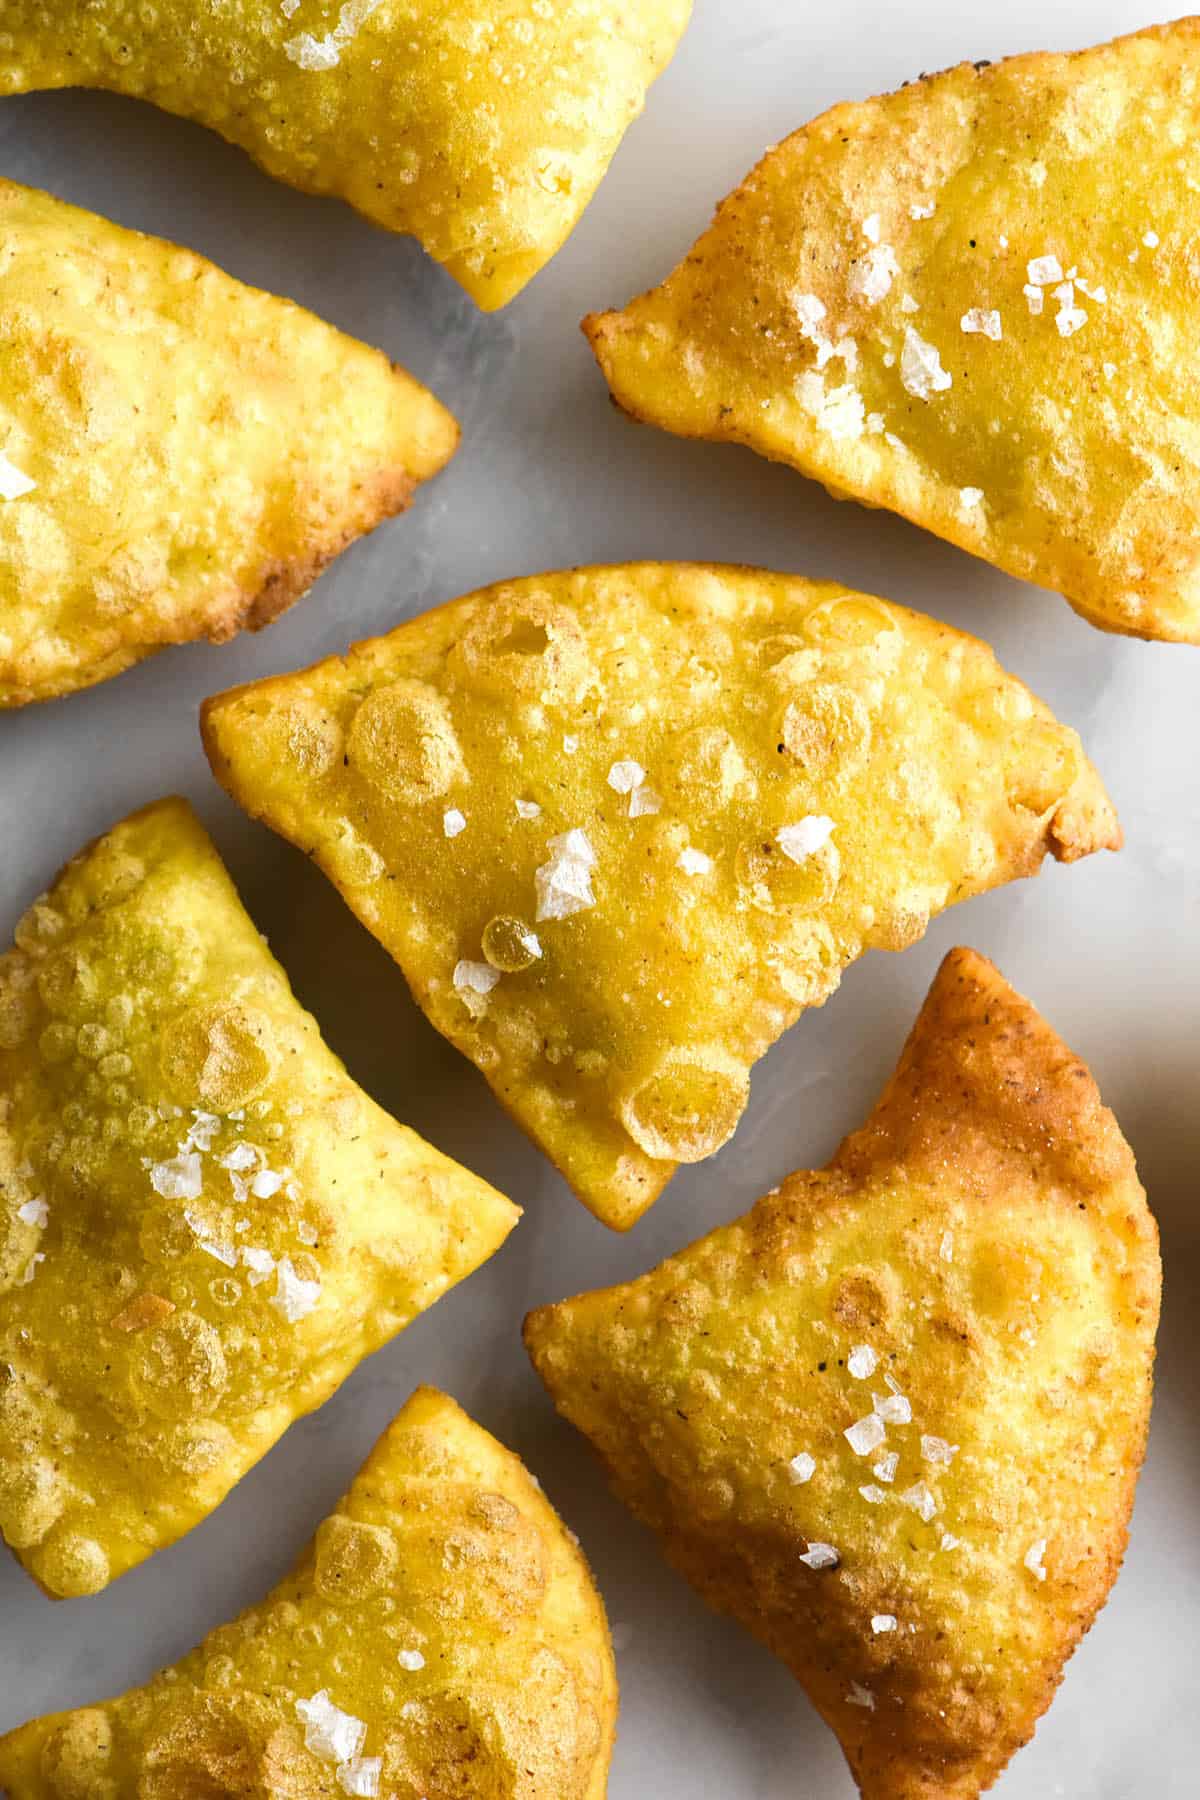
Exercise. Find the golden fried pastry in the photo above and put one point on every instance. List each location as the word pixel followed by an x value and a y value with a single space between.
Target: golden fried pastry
pixel 482 129
pixel 180 455
pixel 973 302
pixel 620 827
pixel 204 1224
pixel 892 1419
pixel 440 1637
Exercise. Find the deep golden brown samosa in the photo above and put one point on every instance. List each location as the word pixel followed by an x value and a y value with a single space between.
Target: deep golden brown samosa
pixel 974 302
pixel 180 455
pixel 481 127
pixel 440 1637
pixel 620 827
pixel 892 1419
pixel 205 1225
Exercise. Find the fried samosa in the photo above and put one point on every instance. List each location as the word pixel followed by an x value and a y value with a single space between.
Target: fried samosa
pixel 482 129
pixel 441 1636
pixel 180 455
pixel 972 302
pixel 205 1225
pixel 619 827
pixel 892 1419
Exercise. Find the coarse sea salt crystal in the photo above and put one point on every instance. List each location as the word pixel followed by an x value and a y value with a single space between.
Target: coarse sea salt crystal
pixel 805 838
pixel 693 862
pixel 266 1183
pixel 260 1263
pixel 34 1212
pixel 802 1468
pixel 14 483
pixel 330 1733
pixel 866 1435
pixel 893 1409
pixel 1044 271
pixel 873 274
pixel 475 977
pixel 643 801
pixel 1033 1558
pixel 179 1178
pixel 921 1499
pixel 862 1362
pixel 881 1622
pixel 318 54
pixel 908 304
pixel 969 498
pixel 860 1696
pixel 921 370
pixel 453 822
pixel 240 1159
pixel 31 1268
pixel 821 1556
pixel 626 775
pixel 1152 240
pixel 840 412
pixel 294 1297
pixel 1036 299
pixel 871 228
pixel 949 1541
pixel 937 1450
pixel 887 1465
pixel 875 1495
pixel 412 1660
pixel 564 882
pixel 921 210
pixel 360 1776
pixel 528 809
pixel 982 323
pixel 946 1248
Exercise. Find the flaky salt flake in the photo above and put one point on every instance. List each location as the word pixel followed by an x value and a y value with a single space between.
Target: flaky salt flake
pixel 803 839
pixel 475 977
pixel 949 1541
pixel 873 274
pixel 921 370
pixel 840 412
pixel 31 1268
pixel 644 801
pixel 412 1660
pixel 260 1263
pixel 453 822
pixel 908 304
pixel 862 1362
pixel 570 743
pixel 1152 240
pixel 1110 370
pixel 14 483
pixel 871 227
pixel 625 776
pixel 1033 1558
pixel 875 1495
pixel 922 210
pixel 937 1450
pixel 179 1178
pixel 970 498
pixel 1044 271
pixel 564 882
pixel 288 7
pixel 330 1733
pixel 34 1212
pixel 224 1253
pixel 893 1409
pixel 1098 294
pixel 319 54
pixel 241 1158
pixel 294 1297
pixel 360 1776
pixel 266 1184
pixel 946 1248
pixel 980 322
pixel 920 1498
pixel 802 1468
pixel 821 1556
pixel 860 1696
pixel 694 862
pixel 528 809
pixel 1036 299
pixel 866 1434
pixel 887 1465
pixel 881 1622
pixel 202 1130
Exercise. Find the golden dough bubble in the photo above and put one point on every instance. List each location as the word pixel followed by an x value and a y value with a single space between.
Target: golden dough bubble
pixel 204 1224
pixel 971 302
pixel 893 1418
pixel 441 1636
pixel 182 455
pixel 482 130
pixel 698 843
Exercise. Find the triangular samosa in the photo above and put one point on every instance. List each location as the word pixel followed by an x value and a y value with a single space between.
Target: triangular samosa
pixel 180 455
pixel 892 1419
pixel 619 827
pixel 205 1225
pixel 440 1637
pixel 481 129
pixel 973 302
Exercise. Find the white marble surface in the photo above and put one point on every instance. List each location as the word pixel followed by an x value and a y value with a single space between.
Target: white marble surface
pixel 549 475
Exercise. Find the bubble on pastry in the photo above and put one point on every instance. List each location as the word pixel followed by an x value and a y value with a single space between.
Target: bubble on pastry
pixel 72 1564
pixel 402 742
pixel 827 726
pixel 32 1497
pixel 354 1560
pixel 219 1056
pixel 688 1106
pixel 510 945
pixel 525 644
pixel 76 1755
pixel 707 768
